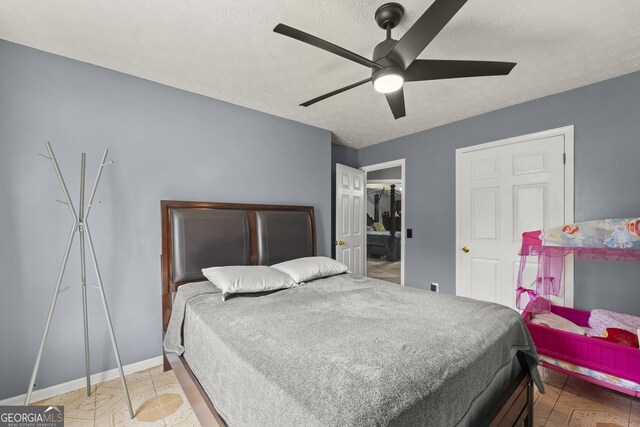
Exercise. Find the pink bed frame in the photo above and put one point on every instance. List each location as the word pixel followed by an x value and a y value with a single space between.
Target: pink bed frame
pixel 599 355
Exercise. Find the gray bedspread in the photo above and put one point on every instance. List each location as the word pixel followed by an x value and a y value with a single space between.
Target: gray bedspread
pixel 344 351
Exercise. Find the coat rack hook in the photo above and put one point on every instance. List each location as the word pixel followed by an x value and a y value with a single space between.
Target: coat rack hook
pixel 96 203
pixel 45 156
pixel 107 163
pixel 62 201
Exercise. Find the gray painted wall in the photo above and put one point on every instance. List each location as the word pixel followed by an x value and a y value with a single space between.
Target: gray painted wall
pixel 166 144
pixel 388 173
pixel 344 155
pixel 606 116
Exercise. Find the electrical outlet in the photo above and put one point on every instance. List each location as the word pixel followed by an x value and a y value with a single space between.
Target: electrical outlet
pixel 435 287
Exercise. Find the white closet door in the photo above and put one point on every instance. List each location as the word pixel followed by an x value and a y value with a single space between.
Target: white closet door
pixel 504 191
pixel 350 228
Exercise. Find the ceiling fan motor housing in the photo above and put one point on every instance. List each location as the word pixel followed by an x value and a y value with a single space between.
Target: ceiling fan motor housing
pixel 382 49
pixel 389 66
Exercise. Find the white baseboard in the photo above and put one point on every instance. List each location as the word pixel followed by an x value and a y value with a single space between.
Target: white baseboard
pixel 79 383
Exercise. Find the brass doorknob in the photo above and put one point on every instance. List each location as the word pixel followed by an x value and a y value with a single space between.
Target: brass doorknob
pixel 341 243
pixel 465 249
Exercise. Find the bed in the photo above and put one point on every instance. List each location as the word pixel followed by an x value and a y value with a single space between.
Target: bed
pixel 378 245
pixel 589 357
pixel 342 350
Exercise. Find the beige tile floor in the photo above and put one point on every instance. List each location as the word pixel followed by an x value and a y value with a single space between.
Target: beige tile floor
pixel 383 270
pixel 573 402
pixel 156 397
pixel 158 400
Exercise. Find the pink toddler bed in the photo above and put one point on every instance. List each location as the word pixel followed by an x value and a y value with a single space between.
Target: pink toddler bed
pixel 602 362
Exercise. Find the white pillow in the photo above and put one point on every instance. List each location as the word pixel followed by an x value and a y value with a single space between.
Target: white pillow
pixel 557 322
pixel 241 279
pixel 310 268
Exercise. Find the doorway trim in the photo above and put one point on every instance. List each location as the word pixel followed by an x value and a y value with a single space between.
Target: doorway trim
pixel 403 225
pixel 569 188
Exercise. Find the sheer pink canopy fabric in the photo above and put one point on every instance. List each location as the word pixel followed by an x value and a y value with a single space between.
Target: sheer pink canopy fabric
pixel 549 276
pixel 612 239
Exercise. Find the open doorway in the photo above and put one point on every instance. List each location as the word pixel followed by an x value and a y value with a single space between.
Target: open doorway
pixel 384 221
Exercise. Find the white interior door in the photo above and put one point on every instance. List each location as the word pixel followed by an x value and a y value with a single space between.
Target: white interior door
pixel 505 189
pixel 350 202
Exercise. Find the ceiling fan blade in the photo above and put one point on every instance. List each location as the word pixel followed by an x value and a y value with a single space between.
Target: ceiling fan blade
pixel 424 30
pixel 335 92
pixel 435 69
pixel 325 45
pixel 396 102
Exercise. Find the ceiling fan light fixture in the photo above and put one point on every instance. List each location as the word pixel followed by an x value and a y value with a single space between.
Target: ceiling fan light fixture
pixel 388 83
pixel 387 80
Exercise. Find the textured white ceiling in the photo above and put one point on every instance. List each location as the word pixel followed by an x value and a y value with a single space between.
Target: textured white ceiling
pixel 226 49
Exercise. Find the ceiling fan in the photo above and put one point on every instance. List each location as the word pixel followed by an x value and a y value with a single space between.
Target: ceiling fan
pixel 394 61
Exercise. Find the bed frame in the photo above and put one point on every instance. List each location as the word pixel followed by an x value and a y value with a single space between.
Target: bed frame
pixel 515 408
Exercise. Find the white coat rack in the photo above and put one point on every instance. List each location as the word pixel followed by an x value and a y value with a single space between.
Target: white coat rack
pixel 81 227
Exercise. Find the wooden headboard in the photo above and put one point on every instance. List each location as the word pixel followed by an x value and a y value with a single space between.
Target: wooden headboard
pixel 197 235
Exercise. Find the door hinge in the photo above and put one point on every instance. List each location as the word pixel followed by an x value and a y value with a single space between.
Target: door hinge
pixel 564 158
